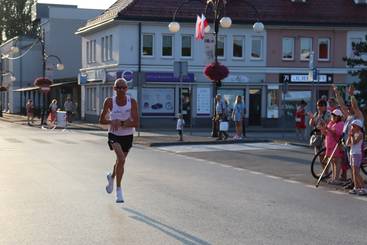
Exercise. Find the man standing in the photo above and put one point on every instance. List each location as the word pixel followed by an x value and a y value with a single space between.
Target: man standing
pixel 220 115
pixel 122 120
pixel 69 108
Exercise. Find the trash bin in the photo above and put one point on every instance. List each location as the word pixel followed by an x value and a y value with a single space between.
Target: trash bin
pixel 61 119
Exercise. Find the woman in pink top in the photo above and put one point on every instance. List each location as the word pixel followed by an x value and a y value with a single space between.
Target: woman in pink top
pixel 333 132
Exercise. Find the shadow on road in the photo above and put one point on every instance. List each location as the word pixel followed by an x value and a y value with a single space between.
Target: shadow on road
pixel 181 236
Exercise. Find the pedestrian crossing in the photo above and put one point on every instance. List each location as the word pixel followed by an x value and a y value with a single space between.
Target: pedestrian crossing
pixel 228 147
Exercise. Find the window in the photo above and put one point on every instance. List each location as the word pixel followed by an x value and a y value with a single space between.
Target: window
pixel 167 44
pixel 220 47
pixel 94 50
pixel 288 48
pixel 91 98
pixel 148 44
pixel 186 46
pixel 238 47
pixel 306 48
pixel 88 52
pixel 324 49
pixel 256 48
pixel 106 48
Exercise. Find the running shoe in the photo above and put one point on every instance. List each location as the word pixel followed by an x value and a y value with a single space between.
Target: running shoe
pixel 119 195
pixel 353 191
pixel 109 186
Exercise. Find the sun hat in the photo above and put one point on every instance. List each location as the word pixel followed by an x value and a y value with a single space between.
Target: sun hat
pixel 357 122
pixel 337 112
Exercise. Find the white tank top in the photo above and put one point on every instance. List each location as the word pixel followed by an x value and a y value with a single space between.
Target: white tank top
pixel 121 113
pixel 356 148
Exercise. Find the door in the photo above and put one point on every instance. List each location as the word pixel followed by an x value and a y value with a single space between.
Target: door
pixel 185 101
pixel 255 107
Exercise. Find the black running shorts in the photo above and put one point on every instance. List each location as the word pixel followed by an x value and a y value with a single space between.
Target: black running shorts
pixel 125 141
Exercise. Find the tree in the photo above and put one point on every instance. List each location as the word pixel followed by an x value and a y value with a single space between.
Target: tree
pixel 359 62
pixel 15 18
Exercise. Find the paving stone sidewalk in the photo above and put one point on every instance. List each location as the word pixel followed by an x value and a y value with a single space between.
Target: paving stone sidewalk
pixel 161 137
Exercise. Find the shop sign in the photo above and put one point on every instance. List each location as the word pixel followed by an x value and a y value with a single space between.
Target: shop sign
pixel 96 75
pixel 128 75
pixel 168 77
pixel 158 101
pixel 305 78
pixel 236 79
pixel 82 78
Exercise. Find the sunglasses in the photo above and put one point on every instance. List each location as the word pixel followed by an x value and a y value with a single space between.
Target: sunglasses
pixel 120 87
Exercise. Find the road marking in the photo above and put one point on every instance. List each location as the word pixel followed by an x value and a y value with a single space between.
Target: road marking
pixel 256 173
pixel 360 198
pixel 228 147
pixel 272 176
pixel 291 181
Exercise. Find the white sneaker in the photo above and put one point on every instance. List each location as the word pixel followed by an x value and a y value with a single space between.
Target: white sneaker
pixel 109 186
pixel 119 195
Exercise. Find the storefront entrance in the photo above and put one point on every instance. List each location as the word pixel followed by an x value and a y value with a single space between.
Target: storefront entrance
pixel 185 100
pixel 255 107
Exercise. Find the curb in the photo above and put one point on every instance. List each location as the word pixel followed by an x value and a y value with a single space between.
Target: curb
pixel 160 144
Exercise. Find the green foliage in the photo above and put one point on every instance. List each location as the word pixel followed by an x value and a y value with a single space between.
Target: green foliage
pixel 15 18
pixel 359 63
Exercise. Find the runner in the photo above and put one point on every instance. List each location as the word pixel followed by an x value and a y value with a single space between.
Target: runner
pixel 123 119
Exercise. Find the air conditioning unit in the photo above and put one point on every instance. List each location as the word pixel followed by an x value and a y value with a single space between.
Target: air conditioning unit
pixel 360 1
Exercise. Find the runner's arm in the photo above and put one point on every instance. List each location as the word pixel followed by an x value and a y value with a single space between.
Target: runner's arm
pixel 107 105
pixel 132 122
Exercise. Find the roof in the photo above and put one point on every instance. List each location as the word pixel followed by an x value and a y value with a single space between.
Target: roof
pixel 274 12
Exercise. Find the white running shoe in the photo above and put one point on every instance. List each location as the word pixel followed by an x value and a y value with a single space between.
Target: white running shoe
pixel 119 195
pixel 109 186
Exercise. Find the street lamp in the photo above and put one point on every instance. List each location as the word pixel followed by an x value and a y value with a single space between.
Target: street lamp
pixel 219 18
pixel 44 87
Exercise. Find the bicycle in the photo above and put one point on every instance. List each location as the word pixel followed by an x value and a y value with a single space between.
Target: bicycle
pixel 317 167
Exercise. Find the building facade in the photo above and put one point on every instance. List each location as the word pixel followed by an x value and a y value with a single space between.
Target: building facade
pixel 269 69
pixel 58 24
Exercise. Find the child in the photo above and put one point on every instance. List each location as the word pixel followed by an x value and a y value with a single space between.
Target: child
pixel 180 126
pixel 355 141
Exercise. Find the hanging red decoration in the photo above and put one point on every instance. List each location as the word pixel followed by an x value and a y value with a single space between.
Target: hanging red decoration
pixel 42 82
pixel 216 71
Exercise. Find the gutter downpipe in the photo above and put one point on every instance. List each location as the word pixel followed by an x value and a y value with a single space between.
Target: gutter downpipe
pixel 138 77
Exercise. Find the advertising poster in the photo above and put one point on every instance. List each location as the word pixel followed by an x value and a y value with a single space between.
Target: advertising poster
pixel 158 101
pixel 203 101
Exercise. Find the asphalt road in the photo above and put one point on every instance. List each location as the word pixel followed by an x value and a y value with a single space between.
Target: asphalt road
pixel 52 192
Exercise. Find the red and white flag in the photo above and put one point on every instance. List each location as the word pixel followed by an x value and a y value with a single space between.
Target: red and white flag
pixel 199 33
pixel 204 24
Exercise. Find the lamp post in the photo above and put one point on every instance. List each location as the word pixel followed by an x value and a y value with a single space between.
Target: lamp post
pixel 218 13
pixel 40 82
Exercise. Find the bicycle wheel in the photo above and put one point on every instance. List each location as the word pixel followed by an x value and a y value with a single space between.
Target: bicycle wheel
pixel 364 161
pixel 317 166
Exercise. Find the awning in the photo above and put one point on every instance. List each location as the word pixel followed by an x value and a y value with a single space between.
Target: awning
pixel 26 89
pixel 37 88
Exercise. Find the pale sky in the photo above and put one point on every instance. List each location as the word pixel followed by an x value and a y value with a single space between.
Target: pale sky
pixel 89 4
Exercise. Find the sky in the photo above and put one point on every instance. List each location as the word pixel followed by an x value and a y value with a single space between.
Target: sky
pixel 90 4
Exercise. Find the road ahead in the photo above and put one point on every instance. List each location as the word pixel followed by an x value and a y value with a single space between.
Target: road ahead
pixel 52 192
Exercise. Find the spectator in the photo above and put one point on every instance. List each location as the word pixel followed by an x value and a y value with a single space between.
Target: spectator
pixel 69 108
pixel 180 125
pixel 220 115
pixel 332 104
pixel 52 113
pixel 333 132
pixel 300 120
pixel 29 109
pixel 355 142
pixel 237 116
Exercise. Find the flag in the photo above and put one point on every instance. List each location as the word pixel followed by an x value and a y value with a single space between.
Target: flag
pixel 199 33
pixel 204 24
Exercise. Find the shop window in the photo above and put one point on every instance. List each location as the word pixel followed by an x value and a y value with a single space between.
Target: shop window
pixel 167 44
pixel 306 48
pixel 91 99
pixel 256 48
pixel 288 48
pixel 148 44
pixel 324 49
pixel 186 45
pixel 158 102
pixel 238 47
pixel 220 48
pixel 273 101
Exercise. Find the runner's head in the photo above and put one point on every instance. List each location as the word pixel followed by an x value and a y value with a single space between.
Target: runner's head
pixel 120 86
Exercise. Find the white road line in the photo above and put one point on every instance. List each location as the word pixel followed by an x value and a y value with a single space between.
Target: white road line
pixel 272 176
pixel 256 173
pixel 291 181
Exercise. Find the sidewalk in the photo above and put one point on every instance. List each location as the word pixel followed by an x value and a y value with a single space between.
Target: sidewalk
pixel 162 137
